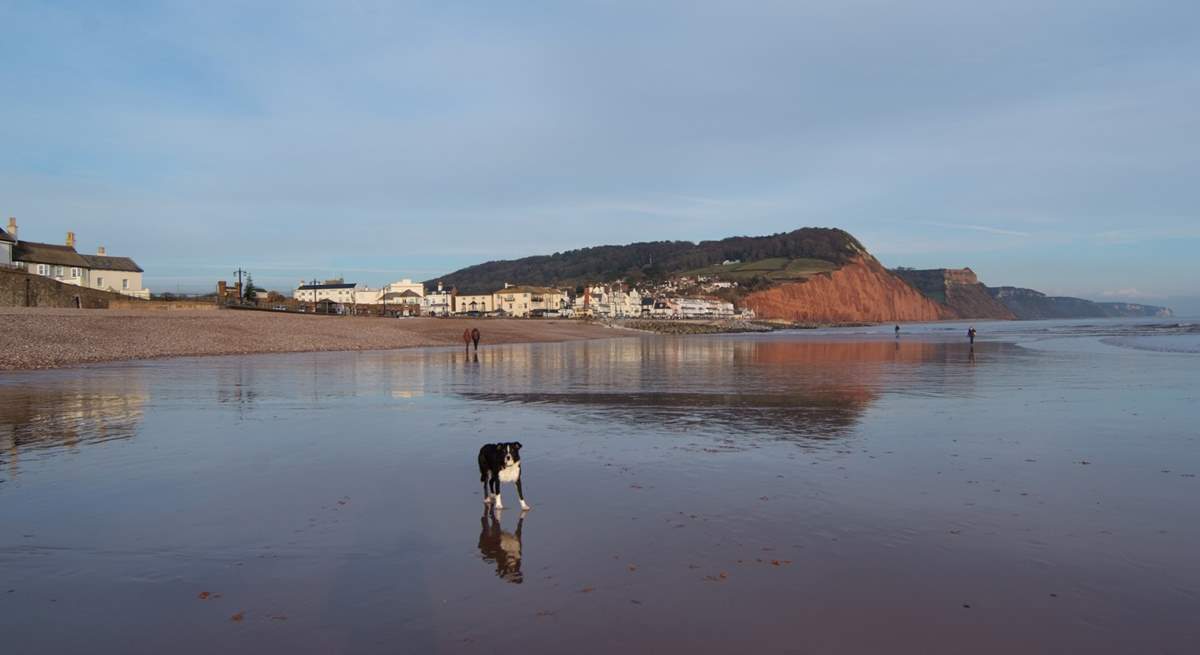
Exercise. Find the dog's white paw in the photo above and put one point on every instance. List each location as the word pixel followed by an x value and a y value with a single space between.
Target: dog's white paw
pixel 525 506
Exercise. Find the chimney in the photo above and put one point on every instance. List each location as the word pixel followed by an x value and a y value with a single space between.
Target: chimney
pixel 70 239
pixel 100 251
pixel 12 226
pixel 439 287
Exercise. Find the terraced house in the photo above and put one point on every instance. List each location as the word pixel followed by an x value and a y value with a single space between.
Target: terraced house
pixel 119 274
pixel 6 244
pixel 524 301
pixel 64 264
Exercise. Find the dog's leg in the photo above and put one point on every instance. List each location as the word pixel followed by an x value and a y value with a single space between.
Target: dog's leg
pixel 499 504
pixel 521 495
pixel 487 495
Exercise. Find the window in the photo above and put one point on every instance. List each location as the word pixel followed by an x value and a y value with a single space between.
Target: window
pixel 100 282
pixel 74 272
pixel 124 283
pixel 58 271
pixel 43 269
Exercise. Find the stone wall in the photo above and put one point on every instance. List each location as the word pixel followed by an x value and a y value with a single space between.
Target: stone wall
pixel 124 302
pixel 21 289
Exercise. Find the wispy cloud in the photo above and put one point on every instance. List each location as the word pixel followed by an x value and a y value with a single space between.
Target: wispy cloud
pixel 978 228
pixel 1136 235
pixel 374 135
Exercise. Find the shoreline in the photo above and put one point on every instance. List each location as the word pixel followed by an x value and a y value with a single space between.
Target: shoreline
pixel 48 338
pixel 720 325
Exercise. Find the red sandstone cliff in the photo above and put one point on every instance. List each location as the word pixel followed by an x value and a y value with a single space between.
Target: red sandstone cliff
pixel 957 288
pixel 862 290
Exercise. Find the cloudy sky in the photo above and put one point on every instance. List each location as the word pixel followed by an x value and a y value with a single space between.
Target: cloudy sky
pixel 1051 145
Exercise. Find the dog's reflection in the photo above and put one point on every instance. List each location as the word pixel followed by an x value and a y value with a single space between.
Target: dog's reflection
pixel 503 548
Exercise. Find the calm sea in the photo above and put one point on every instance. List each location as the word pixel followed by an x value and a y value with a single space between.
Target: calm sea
pixel 816 491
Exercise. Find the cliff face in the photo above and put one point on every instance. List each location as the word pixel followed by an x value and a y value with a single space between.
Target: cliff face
pixel 1030 304
pixel 1126 309
pixel 861 290
pixel 974 301
pixel 959 289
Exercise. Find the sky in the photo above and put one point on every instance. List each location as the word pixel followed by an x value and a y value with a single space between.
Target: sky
pixel 1046 145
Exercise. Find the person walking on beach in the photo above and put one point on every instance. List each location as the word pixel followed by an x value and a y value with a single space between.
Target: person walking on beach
pixel 971 334
pixel 897 331
pixel 467 338
pixel 475 337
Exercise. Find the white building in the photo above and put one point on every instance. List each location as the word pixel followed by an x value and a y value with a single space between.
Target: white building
pixel 626 304
pixel 594 302
pixel 439 302
pixel 482 303
pixel 609 301
pixel 389 292
pixel 119 274
pixel 332 290
pixel 692 308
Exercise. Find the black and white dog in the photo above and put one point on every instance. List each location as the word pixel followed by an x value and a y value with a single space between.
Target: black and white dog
pixel 500 462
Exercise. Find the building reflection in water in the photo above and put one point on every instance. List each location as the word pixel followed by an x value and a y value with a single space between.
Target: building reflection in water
pixel 68 414
pixel 799 389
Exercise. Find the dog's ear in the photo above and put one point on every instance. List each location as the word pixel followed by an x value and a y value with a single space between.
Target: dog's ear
pixel 517 445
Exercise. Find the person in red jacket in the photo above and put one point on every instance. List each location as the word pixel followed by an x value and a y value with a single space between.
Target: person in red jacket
pixel 467 338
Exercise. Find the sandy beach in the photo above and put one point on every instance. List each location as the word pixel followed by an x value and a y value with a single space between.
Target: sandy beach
pixel 826 491
pixel 34 338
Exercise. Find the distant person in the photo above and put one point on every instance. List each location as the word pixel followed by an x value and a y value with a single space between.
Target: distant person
pixel 971 334
pixel 897 331
pixel 475 337
pixel 467 338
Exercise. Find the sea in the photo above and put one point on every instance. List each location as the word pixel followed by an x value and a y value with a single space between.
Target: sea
pixel 842 490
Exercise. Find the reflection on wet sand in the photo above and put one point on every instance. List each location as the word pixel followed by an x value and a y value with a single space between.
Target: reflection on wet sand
pixel 314 497
pixel 86 411
pixel 783 390
pixel 499 547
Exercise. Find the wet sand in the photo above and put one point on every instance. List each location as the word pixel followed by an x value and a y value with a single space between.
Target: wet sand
pixel 48 338
pixel 773 494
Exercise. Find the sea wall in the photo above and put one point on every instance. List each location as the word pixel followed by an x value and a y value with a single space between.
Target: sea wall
pixel 163 305
pixel 862 290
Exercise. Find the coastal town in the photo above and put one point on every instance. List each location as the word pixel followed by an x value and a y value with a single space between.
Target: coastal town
pixel 684 297
pixel 604 301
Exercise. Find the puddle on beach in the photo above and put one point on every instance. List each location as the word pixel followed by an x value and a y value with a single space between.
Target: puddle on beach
pixel 807 492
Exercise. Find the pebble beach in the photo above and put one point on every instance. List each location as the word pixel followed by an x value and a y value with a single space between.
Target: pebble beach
pixel 36 338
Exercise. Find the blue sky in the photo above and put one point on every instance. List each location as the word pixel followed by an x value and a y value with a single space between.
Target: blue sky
pixel 1049 145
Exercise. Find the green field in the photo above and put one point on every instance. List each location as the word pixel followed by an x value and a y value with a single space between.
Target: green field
pixel 775 268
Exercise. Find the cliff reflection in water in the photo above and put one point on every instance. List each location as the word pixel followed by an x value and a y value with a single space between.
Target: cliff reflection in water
pixel 90 409
pixel 778 389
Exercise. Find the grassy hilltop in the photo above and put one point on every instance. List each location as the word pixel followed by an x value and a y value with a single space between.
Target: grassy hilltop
pixel 785 256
